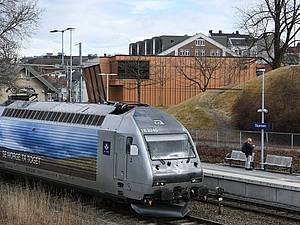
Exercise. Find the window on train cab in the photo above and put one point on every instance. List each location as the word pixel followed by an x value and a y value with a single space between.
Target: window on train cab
pixel 129 141
pixel 80 118
pixel 70 118
pixel 91 119
pixel 85 119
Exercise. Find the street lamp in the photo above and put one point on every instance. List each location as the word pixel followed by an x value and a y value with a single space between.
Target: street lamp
pixel 62 44
pixel 262 111
pixel 107 84
pixel 71 72
pixel 62 56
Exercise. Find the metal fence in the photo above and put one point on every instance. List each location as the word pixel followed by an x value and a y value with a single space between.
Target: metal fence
pixel 235 138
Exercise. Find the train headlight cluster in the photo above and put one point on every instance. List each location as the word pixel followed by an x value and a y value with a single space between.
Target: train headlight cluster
pixel 196 180
pixel 159 183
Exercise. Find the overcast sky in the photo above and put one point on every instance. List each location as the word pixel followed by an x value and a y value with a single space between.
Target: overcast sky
pixel 108 26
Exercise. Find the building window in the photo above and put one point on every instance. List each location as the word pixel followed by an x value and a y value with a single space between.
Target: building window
pixel 196 52
pixel 212 53
pixel 200 42
pixel 237 51
pixel 133 69
pixel 218 53
pixel 202 52
pixel 181 52
pixel 187 52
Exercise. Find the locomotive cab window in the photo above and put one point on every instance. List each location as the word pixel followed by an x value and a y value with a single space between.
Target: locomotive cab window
pixel 166 146
pixel 129 141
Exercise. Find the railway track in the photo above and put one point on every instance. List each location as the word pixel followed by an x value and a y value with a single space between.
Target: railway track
pixel 122 211
pixel 256 208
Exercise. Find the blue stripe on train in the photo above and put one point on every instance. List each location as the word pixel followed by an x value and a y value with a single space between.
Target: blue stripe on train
pixel 46 139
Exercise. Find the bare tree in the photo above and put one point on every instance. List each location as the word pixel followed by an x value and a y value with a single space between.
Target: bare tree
pixel 273 24
pixel 199 69
pixel 18 19
pixel 161 79
pixel 234 67
pixel 136 70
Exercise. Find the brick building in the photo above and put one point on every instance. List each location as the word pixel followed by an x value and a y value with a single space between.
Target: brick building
pixel 196 45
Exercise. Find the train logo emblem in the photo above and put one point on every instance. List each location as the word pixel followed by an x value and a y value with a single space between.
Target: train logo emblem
pixel 106 148
pixel 158 122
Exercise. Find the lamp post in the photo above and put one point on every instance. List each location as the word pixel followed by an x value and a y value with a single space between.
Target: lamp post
pixel 80 70
pixel 107 83
pixel 62 57
pixel 62 44
pixel 262 111
pixel 71 73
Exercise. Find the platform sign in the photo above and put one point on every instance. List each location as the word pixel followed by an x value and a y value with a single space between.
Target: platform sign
pixel 258 125
pixel 106 148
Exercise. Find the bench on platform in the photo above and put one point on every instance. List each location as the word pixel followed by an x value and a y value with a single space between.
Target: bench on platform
pixel 279 161
pixel 238 156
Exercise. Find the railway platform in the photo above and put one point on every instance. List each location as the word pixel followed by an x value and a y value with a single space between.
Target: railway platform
pixel 271 188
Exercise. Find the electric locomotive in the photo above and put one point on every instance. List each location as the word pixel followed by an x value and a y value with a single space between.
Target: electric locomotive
pixel 134 153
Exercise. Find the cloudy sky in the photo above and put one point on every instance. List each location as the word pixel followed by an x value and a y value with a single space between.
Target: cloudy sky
pixel 108 26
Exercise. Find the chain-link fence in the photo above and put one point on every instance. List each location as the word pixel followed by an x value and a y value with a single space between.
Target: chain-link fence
pixel 235 138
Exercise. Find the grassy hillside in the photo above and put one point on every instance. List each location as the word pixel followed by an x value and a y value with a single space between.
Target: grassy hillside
pixel 237 106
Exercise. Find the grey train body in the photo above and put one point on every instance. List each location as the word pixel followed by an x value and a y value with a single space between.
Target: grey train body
pixel 140 154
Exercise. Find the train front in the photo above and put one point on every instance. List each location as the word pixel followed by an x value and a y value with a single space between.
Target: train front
pixel 176 170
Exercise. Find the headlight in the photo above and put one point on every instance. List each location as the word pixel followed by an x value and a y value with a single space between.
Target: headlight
pixel 196 180
pixel 159 183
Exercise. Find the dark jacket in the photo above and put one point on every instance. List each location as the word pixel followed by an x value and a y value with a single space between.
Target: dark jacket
pixel 247 149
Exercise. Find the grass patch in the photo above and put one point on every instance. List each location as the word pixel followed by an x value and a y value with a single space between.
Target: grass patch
pixel 216 109
pixel 34 206
pixel 191 114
